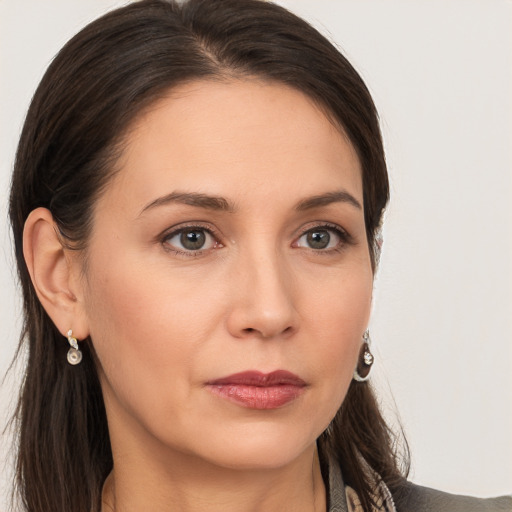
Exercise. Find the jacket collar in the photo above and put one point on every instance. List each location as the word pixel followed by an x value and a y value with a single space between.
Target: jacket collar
pixel 343 498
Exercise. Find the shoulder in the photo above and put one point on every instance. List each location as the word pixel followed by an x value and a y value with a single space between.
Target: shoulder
pixel 423 499
pixel 413 498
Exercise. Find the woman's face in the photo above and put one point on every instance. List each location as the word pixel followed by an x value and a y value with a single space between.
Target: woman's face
pixel 231 240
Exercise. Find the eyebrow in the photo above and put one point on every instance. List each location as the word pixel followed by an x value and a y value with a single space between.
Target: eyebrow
pixel 340 196
pixel 218 203
pixel 191 199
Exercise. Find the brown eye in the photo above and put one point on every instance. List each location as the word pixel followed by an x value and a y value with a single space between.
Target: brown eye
pixel 318 239
pixel 191 239
pixel 321 238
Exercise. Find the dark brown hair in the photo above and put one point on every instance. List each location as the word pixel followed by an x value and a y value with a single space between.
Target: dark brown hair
pixel 95 87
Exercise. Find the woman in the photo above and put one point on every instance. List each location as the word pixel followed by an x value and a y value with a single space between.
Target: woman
pixel 198 339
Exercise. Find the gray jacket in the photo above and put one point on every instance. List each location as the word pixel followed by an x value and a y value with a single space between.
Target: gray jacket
pixel 419 499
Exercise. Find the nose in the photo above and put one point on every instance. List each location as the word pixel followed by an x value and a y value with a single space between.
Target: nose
pixel 264 302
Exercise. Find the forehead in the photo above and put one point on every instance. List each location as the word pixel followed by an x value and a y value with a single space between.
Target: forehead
pixel 232 137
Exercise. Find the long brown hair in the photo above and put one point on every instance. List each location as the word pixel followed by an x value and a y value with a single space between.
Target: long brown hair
pixel 95 87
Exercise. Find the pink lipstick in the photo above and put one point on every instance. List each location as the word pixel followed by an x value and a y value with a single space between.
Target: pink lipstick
pixel 256 390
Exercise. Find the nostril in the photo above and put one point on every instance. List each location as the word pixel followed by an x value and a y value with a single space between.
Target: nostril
pixel 252 330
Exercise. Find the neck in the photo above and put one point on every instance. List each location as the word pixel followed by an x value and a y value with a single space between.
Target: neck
pixel 186 485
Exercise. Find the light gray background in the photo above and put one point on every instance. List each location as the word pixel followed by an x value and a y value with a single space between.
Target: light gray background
pixel 441 75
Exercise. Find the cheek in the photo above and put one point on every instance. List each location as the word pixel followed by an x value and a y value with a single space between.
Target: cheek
pixel 339 309
pixel 339 317
pixel 133 318
pixel 132 304
pixel 150 328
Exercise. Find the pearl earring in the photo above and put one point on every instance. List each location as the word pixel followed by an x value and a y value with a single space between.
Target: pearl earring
pixel 74 353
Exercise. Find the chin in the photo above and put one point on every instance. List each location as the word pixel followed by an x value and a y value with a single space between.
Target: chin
pixel 264 448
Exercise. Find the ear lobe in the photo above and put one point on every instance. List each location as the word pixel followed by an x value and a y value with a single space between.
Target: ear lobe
pixel 51 273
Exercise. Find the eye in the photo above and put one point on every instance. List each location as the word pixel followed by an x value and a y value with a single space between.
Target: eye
pixel 191 239
pixel 321 238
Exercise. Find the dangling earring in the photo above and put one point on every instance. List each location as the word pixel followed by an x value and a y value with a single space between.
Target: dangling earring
pixel 364 364
pixel 74 353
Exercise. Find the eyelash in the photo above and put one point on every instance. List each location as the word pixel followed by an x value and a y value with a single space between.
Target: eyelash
pixel 344 236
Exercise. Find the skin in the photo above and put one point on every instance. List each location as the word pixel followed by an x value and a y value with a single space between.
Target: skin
pixel 166 320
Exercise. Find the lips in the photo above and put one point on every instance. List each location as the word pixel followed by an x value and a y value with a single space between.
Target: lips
pixel 256 390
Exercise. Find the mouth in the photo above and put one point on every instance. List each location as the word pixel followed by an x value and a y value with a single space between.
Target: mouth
pixel 256 390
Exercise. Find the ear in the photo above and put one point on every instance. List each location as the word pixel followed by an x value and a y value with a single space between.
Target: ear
pixel 55 273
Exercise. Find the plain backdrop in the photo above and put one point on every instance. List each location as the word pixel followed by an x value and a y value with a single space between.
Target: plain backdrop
pixel 441 75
